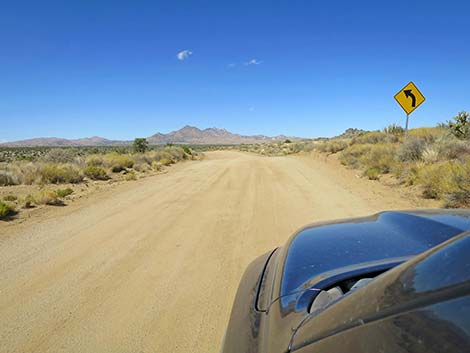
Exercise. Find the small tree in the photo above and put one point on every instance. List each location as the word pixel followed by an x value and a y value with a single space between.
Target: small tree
pixel 140 145
pixel 460 127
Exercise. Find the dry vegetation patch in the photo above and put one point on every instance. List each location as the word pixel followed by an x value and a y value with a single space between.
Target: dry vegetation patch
pixel 25 173
pixel 437 159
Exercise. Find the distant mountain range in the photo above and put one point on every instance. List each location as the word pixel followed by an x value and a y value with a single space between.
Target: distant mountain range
pixel 186 135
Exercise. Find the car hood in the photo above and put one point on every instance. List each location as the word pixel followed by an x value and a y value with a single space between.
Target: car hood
pixel 318 252
pixel 322 254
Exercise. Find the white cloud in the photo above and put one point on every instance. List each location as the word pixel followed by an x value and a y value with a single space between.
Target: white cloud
pixel 253 62
pixel 232 65
pixel 184 54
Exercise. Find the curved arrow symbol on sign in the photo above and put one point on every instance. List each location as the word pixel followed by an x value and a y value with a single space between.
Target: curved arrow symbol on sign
pixel 409 94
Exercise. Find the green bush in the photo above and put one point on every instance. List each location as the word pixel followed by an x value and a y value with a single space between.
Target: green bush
pixel 6 210
pixel 64 192
pixel 60 174
pixel 187 150
pixel 140 145
pixel 372 173
pixel 95 173
pixel 460 127
pixel 118 162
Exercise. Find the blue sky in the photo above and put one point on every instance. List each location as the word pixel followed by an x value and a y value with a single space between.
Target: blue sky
pixel 298 67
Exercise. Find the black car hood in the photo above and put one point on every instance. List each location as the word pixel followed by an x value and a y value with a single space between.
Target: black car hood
pixel 382 239
pixel 278 288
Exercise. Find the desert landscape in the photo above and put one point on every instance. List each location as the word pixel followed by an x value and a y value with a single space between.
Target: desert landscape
pixel 184 177
pixel 123 269
pixel 117 248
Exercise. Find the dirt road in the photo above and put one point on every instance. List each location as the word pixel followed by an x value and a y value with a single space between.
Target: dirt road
pixel 154 265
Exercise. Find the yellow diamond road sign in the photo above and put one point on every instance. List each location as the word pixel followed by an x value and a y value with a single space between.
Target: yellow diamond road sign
pixel 409 98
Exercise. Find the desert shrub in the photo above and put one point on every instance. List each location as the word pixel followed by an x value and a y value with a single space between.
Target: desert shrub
pixel 337 146
pixel 130 176
pixel 6 210
pixel 380 157
pixel 176 153
pixel 332 146
pixel 166 161
pixel 307 146
pixel 95 173
pixel 374 137
pixel 372 173
pixel 10 198
pixel 59 155
pixel 430 154
pixel 437 179
pixel 28 201
pixel 411 149
pixel 94 160
pixel 460 127
pixel 352 155
pixel 64 192
pixel 118 162
pixel 449 181
pixel 31 173
pixel 8 178
pixel 450 147
pixel 60 174
pixel 459 193
pixel 408 172
pixel 47 197
pixel 157 166
pixel 394 129
pixel 411 175
pixel 427 134
pixel 142 158
pixel 141 167
pixel 321 146
pixel 188 150
pixel 458 199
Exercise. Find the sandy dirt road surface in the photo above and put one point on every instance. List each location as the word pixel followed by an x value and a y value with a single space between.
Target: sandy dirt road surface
pixel 154 265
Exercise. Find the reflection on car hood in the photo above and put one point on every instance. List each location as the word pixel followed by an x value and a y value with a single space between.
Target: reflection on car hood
pixel 321 248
